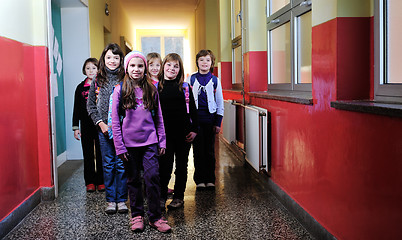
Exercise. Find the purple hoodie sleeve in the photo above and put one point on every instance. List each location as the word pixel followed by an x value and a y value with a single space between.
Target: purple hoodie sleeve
pixel 160 128
pixel 116 125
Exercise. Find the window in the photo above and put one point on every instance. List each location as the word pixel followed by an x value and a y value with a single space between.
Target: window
pixel 237 52
pixel 388 51
pixel 151 44
pixel 162 45
pixel 289 45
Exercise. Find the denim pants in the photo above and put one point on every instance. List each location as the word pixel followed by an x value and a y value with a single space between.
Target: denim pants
pixel 146 156
pixel 114 175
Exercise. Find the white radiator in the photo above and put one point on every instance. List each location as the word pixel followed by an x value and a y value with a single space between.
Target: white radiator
pixel 229 122
pixel 256 141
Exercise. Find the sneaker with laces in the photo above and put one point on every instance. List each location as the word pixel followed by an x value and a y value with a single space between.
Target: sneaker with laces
pixel 122 207
pixel 91 188
pixel 111 208
pixel 176 203
pixel 161 225
pixel 101 188
pixel 137 224
pixel 201 186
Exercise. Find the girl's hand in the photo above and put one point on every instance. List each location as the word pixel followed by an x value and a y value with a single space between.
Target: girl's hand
pixel 217 129
pixel 161 151
pixel 77 134
pixel 123 157
pixel 190 137
pixel 104 128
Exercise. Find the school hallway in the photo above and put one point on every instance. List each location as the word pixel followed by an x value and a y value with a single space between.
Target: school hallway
pixel 241 207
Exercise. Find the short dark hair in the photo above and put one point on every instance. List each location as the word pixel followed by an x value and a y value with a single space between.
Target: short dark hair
pixel 89 60
pixel 203 53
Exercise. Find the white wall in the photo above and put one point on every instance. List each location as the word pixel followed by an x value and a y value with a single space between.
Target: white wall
pixel 76 49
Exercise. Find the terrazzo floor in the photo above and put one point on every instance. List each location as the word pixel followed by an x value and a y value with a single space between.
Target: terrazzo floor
pixel 241 207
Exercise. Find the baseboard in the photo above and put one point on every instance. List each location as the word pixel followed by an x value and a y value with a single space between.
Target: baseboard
pixel 16 216
pixel 61 158
pixel 48 193
pixel 308 222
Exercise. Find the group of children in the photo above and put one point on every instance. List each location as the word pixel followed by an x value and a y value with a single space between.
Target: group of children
pixel 147 116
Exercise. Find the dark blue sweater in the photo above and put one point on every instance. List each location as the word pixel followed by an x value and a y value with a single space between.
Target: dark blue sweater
pixel 204 116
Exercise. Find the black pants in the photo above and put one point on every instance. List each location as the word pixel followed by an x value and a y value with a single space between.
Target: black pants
pixel 204 154
pixel 179 148
pixel 91 151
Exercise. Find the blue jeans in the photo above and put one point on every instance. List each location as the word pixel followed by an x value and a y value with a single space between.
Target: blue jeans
pixel 114 176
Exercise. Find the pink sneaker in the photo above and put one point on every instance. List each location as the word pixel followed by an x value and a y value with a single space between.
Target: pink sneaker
pixel 161 225
pixel 137 224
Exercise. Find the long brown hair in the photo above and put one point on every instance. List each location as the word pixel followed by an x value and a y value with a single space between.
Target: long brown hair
pixel 101 76
pixel 180 76
pixel 128 92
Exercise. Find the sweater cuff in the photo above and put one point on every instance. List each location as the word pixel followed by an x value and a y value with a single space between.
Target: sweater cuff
pixel 218 120
pixel 76 128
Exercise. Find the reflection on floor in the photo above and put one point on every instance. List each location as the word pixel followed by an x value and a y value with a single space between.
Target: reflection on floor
pixel 241 207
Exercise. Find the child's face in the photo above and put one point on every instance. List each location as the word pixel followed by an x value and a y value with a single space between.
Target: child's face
pixel 154 67
pixel 112 61
pixel 90 70
pixel 204 64
pixel 171 70
pixel 136 68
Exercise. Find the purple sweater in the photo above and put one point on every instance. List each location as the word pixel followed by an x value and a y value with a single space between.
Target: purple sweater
pixel 138 128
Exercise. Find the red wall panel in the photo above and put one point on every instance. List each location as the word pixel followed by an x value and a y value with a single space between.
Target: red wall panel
pixel 20 172
pixel 226 75
pixel 344 168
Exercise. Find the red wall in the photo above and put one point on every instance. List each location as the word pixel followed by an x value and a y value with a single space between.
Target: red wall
pixel 344 168
pixel 25 146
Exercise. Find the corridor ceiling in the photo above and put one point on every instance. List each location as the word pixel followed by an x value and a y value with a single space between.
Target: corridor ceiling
pixel 157 14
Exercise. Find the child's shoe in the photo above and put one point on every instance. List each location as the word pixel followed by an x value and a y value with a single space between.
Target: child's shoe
pixel 137 224
pixel 122 207
pixel 210 186
pixel 201 186
pixel 176 203
pixel 90 188
pixel 111 208
pixel 161 225
pixel 101 188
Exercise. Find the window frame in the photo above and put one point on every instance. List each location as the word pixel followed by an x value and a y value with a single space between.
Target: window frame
pixel 237 41
pixel 385 92
pixel 287 14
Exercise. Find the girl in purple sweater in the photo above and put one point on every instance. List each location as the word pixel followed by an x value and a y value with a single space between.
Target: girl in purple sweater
pixel 139 137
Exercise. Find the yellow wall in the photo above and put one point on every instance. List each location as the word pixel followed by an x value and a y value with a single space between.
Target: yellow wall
pixel 225 26
pixel 212 26
pixel 24 21
pixel 325 10
pixel 200 30
pixel 96 10
pixel 117 24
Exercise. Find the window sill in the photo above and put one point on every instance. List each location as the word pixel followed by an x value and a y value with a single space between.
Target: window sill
pixel 373 107
pixel 287 96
